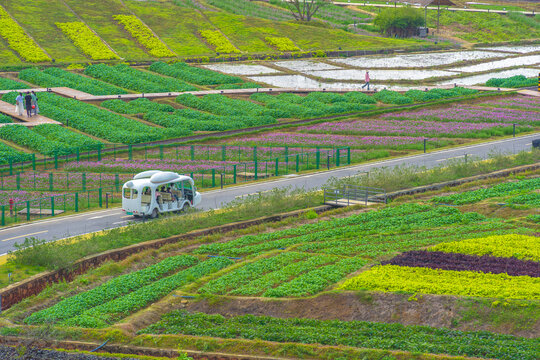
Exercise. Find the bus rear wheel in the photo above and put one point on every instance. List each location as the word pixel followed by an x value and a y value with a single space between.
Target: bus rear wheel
pixel 155 214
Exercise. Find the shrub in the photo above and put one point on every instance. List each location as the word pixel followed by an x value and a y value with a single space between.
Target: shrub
pixel 512 82
pixel 400 22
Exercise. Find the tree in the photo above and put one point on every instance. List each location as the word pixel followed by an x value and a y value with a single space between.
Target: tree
pixel 304 10
pixel 400 22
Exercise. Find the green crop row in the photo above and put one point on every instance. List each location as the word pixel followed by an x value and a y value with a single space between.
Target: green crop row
pixel 199 121
pixel 436 94
pixel 86 40
pixel 138 106
pixel 377 245
pixel 223 105
pixel 8 153
pixel 249 272
pixel 417 339
pixel 266 282
pixel 53 132
pixel 23 136
pixel 512 82
pixel 55 77
pixel 5 119
pixel 503 189
pixel 193 74
pixel 112 289
pixel 108 312
pixel 144 35
pixel 402 218
pixel 288 105
pixel 136 80
pixel 316 280
pixel 99 122
pixel 9 84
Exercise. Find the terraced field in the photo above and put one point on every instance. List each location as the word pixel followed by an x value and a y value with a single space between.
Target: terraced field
pixel 446 253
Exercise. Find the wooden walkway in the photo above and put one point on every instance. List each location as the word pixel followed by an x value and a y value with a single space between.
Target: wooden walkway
pixel 529 92
pixel 9 109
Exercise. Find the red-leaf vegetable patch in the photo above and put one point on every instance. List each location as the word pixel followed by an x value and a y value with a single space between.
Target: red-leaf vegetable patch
pixel 462 262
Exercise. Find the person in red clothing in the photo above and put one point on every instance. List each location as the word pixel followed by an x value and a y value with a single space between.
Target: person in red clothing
pixel 367 81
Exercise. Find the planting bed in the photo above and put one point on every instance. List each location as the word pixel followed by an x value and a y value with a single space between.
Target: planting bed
pixel 468 254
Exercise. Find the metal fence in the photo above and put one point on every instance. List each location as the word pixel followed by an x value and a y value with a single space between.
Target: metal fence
pixel 138 152
pixel 216 176
pixel 354 195
pixel 57 204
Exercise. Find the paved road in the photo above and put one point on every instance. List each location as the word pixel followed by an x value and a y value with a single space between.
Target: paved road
pixel 103 219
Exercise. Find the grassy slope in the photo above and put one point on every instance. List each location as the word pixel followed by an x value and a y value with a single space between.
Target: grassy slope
pixel 181 36
pixel 98 14
pixel 481 27
pixel 177 25
pixel 38 18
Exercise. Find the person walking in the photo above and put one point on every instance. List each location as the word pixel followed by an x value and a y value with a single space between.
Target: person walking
pixel 19 107
pixel 34 103
pixel 28 103
pixel 367 81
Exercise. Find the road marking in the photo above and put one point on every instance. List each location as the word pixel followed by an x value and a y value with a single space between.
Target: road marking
pixel 125 217
pixel 61 218
pixel 97 217
pixel 20 236
pixel 450 158
pixel 120 222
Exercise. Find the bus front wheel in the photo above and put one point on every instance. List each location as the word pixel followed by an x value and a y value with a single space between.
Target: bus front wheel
pixel 155 214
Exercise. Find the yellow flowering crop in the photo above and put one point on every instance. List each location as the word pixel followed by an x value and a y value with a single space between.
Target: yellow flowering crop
pixel 144 36
pixel 18 40
pixel 87 41
pixel 220 42
pixel 512 245
pixel 392 278
pixel 282 43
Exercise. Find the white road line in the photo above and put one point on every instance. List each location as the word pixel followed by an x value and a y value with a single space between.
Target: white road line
pixel 97 217
pixel 62 218
pixel 120 222
pixel 450 158
pixel 26 235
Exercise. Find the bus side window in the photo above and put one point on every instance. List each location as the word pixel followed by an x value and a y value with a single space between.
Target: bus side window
pixel 135 193
pixel 127 193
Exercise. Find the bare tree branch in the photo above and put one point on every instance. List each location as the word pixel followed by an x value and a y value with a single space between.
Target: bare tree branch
pixel 304 10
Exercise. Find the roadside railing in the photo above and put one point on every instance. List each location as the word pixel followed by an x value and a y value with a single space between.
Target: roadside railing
pixel 354 195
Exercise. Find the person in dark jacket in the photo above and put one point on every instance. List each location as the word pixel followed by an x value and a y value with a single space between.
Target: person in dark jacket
pixel 28 104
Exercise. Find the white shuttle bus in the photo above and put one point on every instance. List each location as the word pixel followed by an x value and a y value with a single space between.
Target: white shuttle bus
pixel 153 192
